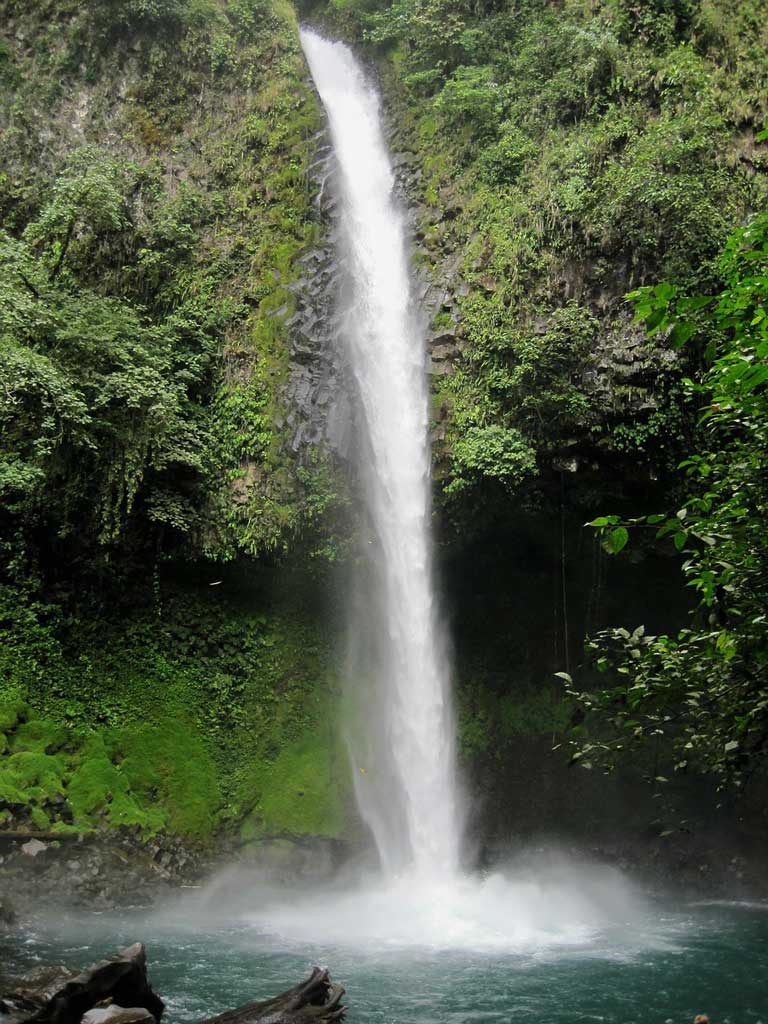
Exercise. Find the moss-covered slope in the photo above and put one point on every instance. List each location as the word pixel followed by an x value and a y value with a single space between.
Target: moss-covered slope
pixel 195 716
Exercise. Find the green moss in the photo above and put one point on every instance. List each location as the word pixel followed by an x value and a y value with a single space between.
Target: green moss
pixel 301 792
pixel 40 734
pixel 175 723
pixel 38 777
pixel 40 819
pixel 9 791
pixel 490 722
pixel 99 793
pixel 11 713
pixel 167 765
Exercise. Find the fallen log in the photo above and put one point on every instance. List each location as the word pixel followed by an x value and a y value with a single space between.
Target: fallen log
pixel 121 978
pixel 117 991
pixel 317 999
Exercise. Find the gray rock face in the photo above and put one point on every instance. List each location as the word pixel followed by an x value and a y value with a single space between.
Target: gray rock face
pixel 316 394
pixel 319 396
pixel 94 872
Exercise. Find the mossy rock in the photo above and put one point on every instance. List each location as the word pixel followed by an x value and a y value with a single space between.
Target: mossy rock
pixel 40 735
pixel 11 713
pixel 99 792
pixel 31 777
pixel 40 819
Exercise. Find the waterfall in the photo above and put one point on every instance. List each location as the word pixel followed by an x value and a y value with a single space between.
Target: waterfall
pixel 402 741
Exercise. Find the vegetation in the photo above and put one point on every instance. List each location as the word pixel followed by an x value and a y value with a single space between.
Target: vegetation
pixel 144 306
pixel 191 716
pixel 706 688
pixel 155 199
pixel 570 152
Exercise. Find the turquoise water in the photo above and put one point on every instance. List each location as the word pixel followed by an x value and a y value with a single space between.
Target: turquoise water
pixel 702 958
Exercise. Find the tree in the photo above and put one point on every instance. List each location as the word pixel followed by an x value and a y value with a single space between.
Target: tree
pixel 703 693
pixel 102 408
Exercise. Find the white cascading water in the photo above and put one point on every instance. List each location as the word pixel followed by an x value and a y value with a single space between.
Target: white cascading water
pixel 406 788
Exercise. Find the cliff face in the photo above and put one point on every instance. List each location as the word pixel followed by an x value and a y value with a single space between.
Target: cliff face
pixel 196 124
pixel 158 198
pixel 556 157
pixel 176 401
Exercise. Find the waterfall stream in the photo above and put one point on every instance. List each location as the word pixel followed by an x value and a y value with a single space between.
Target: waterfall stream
pixel 401 730
pixel 403 757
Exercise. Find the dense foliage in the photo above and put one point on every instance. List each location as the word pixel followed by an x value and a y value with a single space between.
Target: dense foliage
pixel 103 397
pixel 154 200
pixel 190 715
pixel 568 153
pixel 706 688
pixel 147 252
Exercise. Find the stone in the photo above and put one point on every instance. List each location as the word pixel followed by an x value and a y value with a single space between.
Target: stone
pixel 114 1014
pixel 7 914
pixel 33 848
pixel 29 994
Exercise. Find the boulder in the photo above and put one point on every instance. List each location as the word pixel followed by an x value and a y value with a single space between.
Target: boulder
pixel 26 996
pixel 33 848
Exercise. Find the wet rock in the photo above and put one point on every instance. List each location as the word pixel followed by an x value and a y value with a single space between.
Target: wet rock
pixel 33 848
pixel 29 994
pixel 114 1014
pixel 315 396
pixel 8 915
pixel 98 872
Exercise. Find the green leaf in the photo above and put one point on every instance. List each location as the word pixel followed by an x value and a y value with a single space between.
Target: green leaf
pixel 680 333
pixel 655 321
pixel 664 291
pixel 599 522
pixel 616 540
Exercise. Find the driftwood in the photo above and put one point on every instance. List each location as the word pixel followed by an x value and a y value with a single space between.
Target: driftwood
pixel 316 999
pixel 122 979
pixel 120 990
